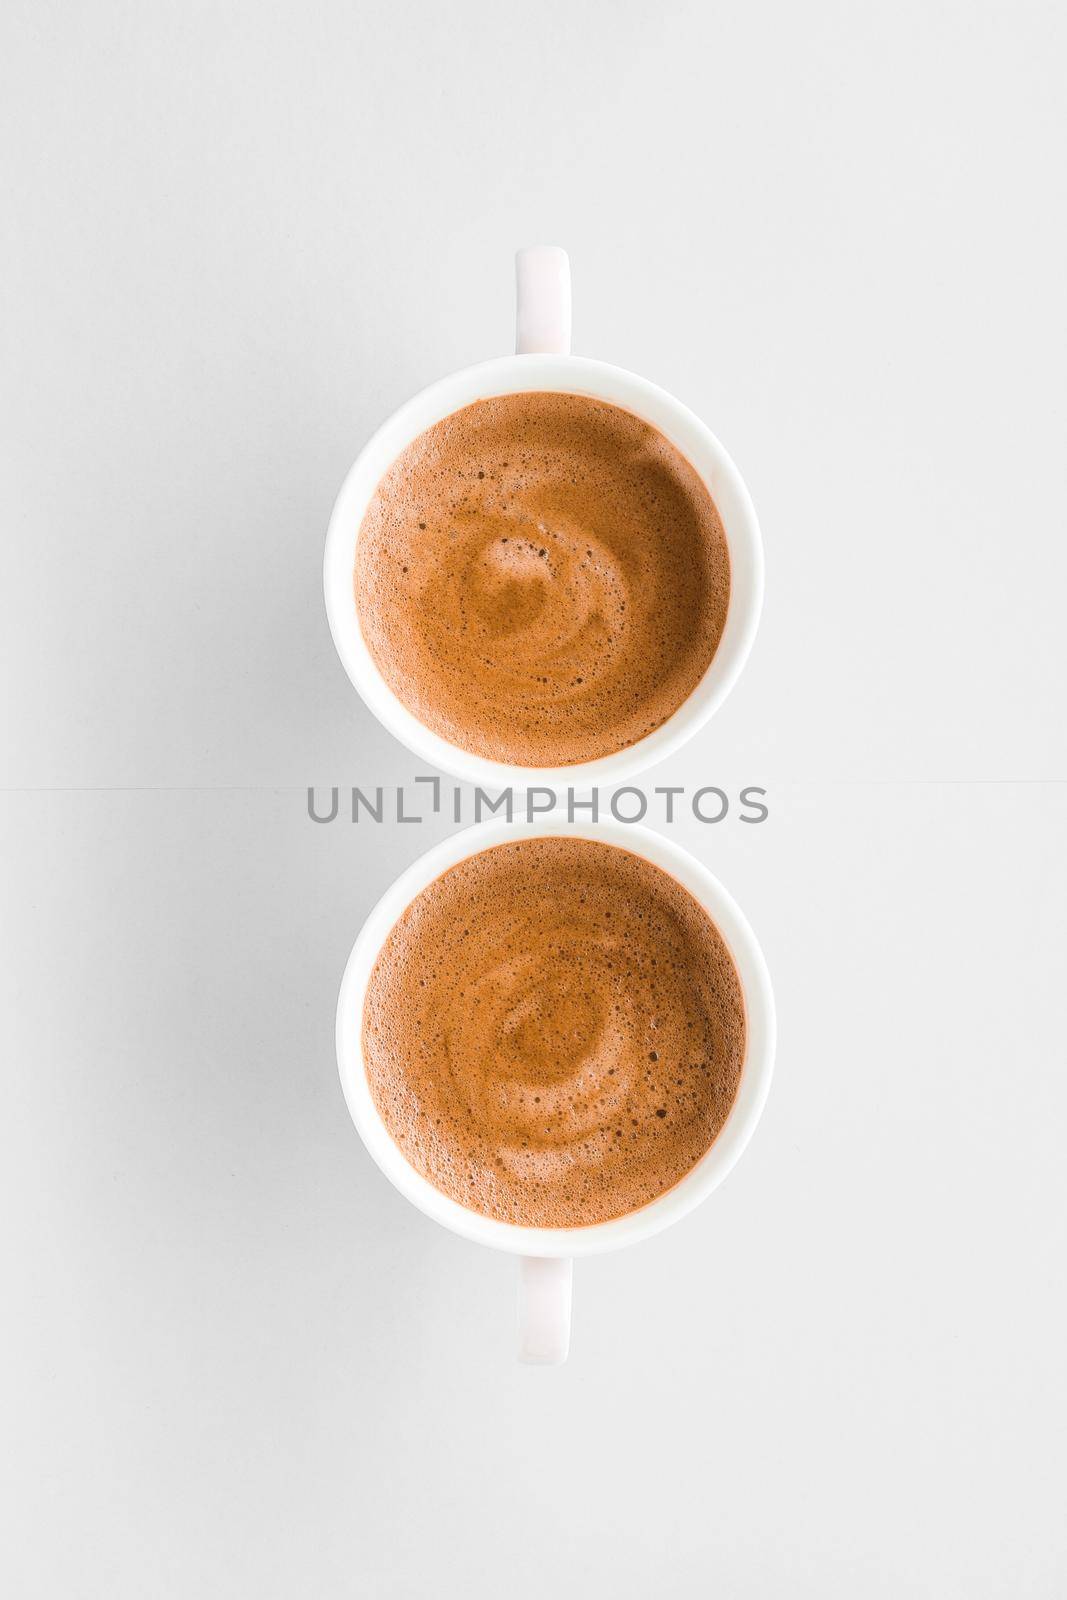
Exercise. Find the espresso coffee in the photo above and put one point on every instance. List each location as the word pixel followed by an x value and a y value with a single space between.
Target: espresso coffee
pixel 542 579
pixel 554 1032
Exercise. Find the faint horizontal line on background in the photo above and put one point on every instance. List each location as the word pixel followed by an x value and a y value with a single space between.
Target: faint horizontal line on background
pixel 293 788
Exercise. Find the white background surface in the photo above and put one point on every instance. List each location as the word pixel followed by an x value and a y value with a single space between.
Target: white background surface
pixel 235 238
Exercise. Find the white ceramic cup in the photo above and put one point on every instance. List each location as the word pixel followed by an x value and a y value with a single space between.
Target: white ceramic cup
pixel 546 1254
pixel 543 363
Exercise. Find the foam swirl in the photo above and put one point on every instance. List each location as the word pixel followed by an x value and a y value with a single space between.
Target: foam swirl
pixel 554 1032
pixel 542 578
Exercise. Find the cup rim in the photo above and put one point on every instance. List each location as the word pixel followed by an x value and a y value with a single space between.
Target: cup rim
pixel 714 1165
pixel 560 374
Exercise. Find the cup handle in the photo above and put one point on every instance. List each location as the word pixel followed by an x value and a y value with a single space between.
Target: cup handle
pixel 542 301
pixel 544 1310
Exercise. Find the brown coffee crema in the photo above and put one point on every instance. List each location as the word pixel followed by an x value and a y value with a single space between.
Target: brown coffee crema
pixel 554 1032
pixel 542 579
